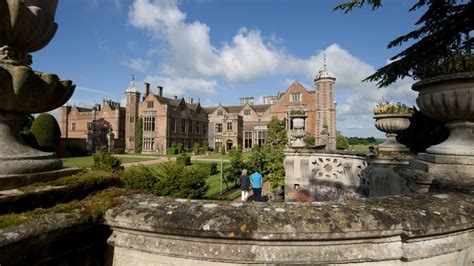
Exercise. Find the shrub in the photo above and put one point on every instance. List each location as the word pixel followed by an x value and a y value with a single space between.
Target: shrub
pixel 183 159
pixel 176 180
pixel 75 150
pixel 119 151
pixel 196 148
pixel 46 132
pixel 341 142
pixel 139 177
pixel 171 151
pixel 205 145
pixel 179 148
pixel 274 168
pixel 211 167
pixel 309 141
pixel 201 151
pixel 104 161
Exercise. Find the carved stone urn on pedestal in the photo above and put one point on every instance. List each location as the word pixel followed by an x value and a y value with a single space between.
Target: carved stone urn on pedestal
pixel 298 132
pixel 392 124
pixel 450 98
pixel 26 26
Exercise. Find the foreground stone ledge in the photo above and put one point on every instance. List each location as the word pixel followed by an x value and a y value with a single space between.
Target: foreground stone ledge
pixel 421 228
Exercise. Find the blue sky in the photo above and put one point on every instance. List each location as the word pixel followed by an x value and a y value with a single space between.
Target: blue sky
pixel 220 50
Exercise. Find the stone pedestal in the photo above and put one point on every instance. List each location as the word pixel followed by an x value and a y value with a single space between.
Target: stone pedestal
pixel 446 171
pixel 382 179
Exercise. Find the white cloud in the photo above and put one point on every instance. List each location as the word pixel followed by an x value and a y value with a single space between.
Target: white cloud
pixel 181 87
pixel 190 63
pixel 137 64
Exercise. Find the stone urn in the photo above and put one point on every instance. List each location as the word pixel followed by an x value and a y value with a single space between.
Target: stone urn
pixel 392 124
pixel 298 132
pixel 450 98
pixel 26 26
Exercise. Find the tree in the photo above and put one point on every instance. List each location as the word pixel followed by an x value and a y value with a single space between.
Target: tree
pixel 45 132
pixel 274 167
pixel 276 132
pixel 442 44
pixel 256 160
pixel 233 169
pixel 104 161
pixel 341 142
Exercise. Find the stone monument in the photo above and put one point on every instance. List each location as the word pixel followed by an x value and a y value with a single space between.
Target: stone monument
pixel 26 26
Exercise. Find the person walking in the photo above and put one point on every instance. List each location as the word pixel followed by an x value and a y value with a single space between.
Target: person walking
pixel 244 185
pixel 256 182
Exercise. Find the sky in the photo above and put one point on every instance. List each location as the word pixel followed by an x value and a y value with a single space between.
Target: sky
pixel 219 50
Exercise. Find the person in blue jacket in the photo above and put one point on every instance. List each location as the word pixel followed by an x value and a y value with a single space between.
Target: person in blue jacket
pixel 256 183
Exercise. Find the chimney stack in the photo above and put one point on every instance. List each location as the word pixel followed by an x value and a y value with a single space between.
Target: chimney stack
pixel 190 100
pixel 160 90
pixel 147 89
pixel 175 97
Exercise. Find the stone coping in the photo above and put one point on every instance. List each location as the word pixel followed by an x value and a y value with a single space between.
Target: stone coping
pixel 408 217
pixel 339 154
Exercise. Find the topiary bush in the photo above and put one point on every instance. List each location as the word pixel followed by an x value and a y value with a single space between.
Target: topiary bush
pixel 104 161
pixel 139 177
pixel 179 181
pixel 183 159
pixel 46 132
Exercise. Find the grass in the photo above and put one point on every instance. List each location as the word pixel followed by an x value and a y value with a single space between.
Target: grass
pixel 86 161
pixel 217 156
pixel 360 148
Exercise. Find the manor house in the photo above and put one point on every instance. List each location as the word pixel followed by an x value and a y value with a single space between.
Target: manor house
pixel 158 122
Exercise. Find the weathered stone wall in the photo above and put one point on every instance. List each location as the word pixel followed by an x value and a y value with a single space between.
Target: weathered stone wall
pixel 313 176
pixel 412 230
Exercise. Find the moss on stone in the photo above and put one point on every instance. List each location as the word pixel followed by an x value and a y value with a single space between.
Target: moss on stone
pixel 90 209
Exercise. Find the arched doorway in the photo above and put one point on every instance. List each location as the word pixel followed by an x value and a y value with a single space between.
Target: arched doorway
pixel 229 144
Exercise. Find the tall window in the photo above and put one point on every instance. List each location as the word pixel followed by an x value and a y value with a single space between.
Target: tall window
pixel 296 97
pixel 204 129
pixel 149 123
pixel 190 126
pixel 229 126
pixel 150 104
pixel 218 128
pixel 247 140
pixel 149 144
pixel 132 119
pixel 247 112
pixel 261 137
pixel 73 126
pixel 183 125
pixel 198 127
pixel 220 113
pixel 173 125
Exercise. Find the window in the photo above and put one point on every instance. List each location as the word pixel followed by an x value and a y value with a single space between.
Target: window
pixel 247 112
pixel 296 97
pixel 218 128
pixel 149 144
pixel 149 123
pixel 183 125
pixel 190 126
pixel 220 113
pixel 247 140
pixel 149 104
pixel 173 125
pixel 198 127
pixel 229 126
pixel 73 126
pixel 261 137
pixel 132 119
pixel 204 129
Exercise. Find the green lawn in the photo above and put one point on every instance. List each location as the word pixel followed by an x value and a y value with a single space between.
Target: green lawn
pixel 217 156
pixel 86 161
pixel 360 148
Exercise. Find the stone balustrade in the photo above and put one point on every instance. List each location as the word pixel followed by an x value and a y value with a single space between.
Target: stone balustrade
pixel 409 230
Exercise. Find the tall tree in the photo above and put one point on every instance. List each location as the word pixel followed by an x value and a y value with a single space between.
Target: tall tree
pixel 276 132
pixel 442 44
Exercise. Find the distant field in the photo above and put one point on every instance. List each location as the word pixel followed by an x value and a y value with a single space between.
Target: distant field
pixel 360 148
pixel 86 161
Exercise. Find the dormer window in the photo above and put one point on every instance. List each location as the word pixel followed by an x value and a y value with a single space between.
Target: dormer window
pixel 247 112
pixel 150 104
pixel 220 113
pixel 296 97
